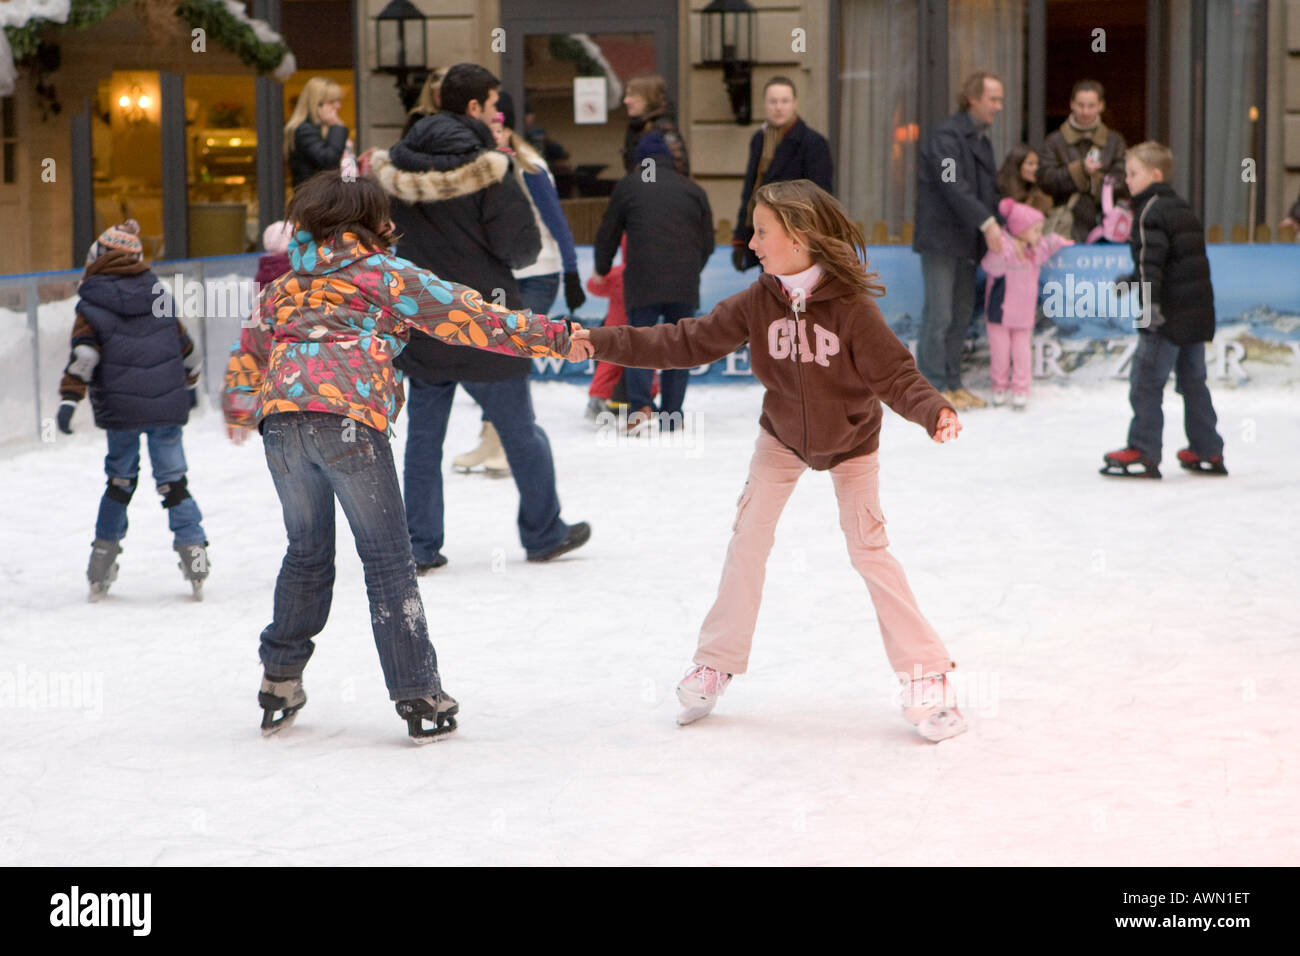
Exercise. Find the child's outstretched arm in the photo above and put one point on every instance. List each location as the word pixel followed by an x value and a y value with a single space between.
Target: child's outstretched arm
pixel 456 314
pixel 685 344
pixel 245 370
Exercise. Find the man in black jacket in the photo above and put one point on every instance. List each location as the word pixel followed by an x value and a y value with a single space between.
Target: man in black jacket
pixel 956 220
pixel 669 228
pixel 461 214
pixel 783 148
pixel 1169 262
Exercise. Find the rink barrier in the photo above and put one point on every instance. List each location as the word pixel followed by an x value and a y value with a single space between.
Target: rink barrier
pixel 1254 287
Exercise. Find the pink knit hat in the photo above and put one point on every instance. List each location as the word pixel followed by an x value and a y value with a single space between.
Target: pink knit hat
pixel 1019 217
pixel 276 237
pixel 125 237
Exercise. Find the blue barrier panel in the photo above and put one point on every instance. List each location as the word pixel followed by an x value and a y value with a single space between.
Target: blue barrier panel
pixel 1258 285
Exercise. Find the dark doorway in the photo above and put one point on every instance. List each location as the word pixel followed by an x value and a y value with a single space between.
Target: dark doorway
pixel 1121 69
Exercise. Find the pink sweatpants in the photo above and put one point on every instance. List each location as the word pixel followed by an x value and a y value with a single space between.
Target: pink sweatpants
pixel 911 643
pixel 1010 350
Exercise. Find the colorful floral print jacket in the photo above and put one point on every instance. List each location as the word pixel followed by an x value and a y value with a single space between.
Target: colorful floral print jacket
pixel 323 337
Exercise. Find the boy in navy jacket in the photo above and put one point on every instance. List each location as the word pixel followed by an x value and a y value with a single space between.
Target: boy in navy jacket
pixel 140 368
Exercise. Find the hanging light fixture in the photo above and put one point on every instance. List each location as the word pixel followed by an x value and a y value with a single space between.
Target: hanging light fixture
pixel 727 35
pixel 400 43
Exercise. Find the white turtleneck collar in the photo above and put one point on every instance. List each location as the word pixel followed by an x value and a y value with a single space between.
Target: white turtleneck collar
pixel 805 280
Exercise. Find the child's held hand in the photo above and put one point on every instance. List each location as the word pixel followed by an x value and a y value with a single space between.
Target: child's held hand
pixel 948 428
pixel 580 346
pixel 238 434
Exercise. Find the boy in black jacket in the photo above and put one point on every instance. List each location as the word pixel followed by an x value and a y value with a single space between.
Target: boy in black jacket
pixel 140 368
pixel 1168 245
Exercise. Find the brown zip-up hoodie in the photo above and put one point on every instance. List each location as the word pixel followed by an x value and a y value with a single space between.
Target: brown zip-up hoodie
pixel 826 367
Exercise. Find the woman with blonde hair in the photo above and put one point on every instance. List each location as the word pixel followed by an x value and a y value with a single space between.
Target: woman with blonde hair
pixel 428 103
pixel 648 110
pixel 314 139
pixel 827 364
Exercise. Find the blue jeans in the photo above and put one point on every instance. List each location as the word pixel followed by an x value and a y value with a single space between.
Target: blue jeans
pixel 1154 359
pixel 315 457
pixel 949 303
pixel 509 407
pixel 538 292
pixel 167 458
pixel 672 381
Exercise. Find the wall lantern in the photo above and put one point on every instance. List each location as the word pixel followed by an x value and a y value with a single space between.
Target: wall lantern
pixel 400 44
pixel 727 40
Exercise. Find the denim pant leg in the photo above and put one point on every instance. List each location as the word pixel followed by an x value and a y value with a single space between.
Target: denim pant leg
pixel 963 308
pixel 538 292
pixel 1151 365
pixel 428 408
pixel 673 381
pixel 167 458
pixel 305 586
pixel 357 462
pixel 509 406
pixel 937 273
pixel 637 380
pixel 1199 419
pixel 122 466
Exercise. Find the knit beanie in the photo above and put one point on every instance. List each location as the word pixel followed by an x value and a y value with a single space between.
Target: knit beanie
pixel 125 237
pixel 653 144
pixel 275 239
pixel 1019 217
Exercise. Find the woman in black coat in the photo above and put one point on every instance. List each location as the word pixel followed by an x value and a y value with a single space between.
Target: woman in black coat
pixel 314 139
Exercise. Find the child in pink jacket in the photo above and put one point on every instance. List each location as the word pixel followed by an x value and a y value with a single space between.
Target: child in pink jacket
pixel 1012 298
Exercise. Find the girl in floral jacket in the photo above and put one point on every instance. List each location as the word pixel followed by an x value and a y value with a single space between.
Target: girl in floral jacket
pixel 314 372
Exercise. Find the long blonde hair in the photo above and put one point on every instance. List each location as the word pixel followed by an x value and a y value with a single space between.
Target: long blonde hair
pixel 319 89
pixel 834 242
pixel 428 103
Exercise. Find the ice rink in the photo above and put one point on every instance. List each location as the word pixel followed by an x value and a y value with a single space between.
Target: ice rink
pixel 1128 659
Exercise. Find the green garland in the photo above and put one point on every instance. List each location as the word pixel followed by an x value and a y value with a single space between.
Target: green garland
pixel 211 15
pixel 564 47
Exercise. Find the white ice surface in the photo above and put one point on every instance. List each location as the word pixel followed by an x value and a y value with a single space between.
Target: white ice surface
pixel 1128 654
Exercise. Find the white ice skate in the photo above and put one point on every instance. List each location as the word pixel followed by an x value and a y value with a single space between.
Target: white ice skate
pixel 930 703
pixel 699 691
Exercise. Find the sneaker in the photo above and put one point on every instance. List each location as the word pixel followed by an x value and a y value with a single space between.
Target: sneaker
pixel 930 704
pixel 955 400
pixel 999 398
pixel 439 560
pixel 698 691
pixel 579 534
pixel 972 401
pixel 1204 466
pixel 1018 401
pixel 102 570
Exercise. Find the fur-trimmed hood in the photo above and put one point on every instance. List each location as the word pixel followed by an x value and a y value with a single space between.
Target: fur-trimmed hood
pixel 443 156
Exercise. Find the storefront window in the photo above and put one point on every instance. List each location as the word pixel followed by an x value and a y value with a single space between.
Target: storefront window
pixel 989 36
pixel 221 144
pixel 1234 34
pixel 879 122
pixel 126 138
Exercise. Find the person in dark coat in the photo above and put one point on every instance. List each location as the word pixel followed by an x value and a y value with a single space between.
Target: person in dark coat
pixel 648 111
pixel 1079 156
pixel 783 148
pixel 956 222
pixel 314 137
pixel 669 228
pixel 1170 264
pixel 462 214
pixel 133 356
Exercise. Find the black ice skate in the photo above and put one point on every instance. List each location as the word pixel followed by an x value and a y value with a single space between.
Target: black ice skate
pixel 441 709
pixel 194 565
pixel 102 570
pixel 1202 466
pixel 280 694
pixel 1129 463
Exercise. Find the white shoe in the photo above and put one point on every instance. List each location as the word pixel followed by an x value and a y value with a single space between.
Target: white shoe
pixel 1019 400
pixel 930 703
pixel 489 455
pixel 999 399
pixel 699 691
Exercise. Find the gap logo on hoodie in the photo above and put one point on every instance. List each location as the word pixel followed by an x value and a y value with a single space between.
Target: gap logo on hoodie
pixel 787 338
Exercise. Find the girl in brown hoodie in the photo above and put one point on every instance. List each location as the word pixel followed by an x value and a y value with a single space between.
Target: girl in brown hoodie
pixel 820 346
